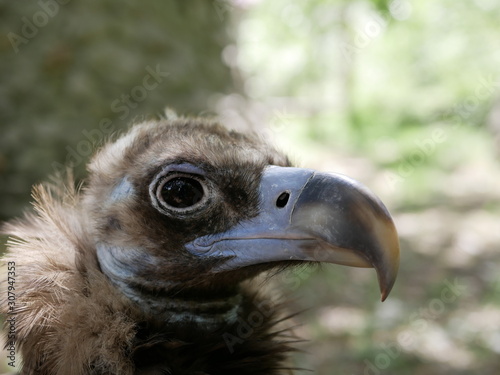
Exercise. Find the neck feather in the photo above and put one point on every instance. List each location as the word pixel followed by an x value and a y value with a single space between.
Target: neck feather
pixel 161 297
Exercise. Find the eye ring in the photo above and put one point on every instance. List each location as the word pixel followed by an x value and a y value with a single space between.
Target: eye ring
pixel 179 193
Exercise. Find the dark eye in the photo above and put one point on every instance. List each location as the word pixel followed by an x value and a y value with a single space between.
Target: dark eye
pixel 181 192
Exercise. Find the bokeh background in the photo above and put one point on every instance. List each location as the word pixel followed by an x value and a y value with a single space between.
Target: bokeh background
pixel 401 95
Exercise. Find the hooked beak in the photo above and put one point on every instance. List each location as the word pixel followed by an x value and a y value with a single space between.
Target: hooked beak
pixel 306 215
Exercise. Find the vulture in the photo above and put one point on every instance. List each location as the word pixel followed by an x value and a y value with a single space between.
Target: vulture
pixel 152 265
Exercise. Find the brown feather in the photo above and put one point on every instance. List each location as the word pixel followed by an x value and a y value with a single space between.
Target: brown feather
pixel 71 319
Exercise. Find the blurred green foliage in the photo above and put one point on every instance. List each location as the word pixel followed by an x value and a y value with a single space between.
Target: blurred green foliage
pixel 404 94
pixel 379 78
pixel 82 70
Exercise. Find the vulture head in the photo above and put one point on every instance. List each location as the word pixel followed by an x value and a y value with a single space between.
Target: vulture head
pixel 148 268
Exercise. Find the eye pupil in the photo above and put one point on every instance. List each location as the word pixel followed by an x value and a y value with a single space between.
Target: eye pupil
pixel 182 192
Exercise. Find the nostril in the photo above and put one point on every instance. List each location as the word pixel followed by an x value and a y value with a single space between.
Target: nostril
pixel 283 199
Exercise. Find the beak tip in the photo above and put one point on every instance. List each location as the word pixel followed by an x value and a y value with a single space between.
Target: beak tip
pixel 388 265
pixel 385 293
pixel 388 279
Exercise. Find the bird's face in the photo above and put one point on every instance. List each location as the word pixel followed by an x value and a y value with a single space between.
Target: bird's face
pixel 189 208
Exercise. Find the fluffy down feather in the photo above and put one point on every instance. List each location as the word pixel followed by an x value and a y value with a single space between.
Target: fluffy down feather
pixel 70 319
